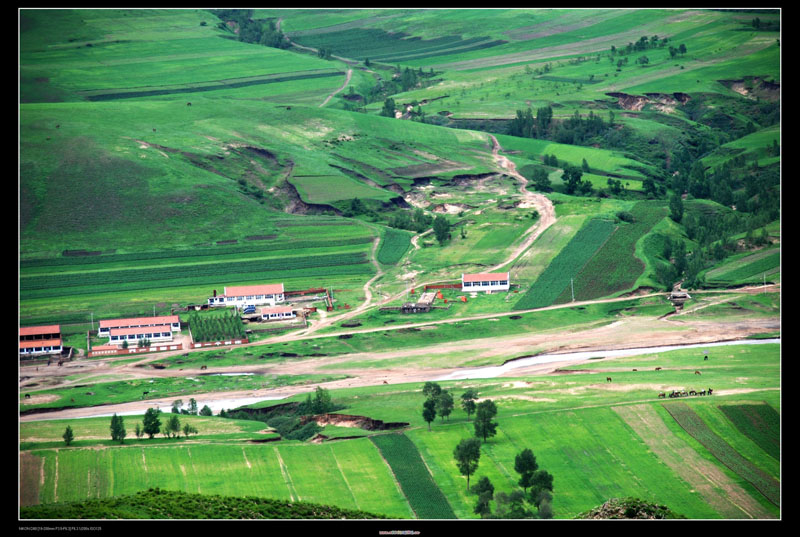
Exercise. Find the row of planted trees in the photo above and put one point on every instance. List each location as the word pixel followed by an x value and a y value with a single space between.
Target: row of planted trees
pixel 151 425
pixel 536 483
pixel 227 325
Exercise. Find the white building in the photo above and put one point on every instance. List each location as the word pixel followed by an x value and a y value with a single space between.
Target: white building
pixel 153 334
pixel 275 313
pixel 40 340
pixel 172 321
pixel 498 281
pixel 249 295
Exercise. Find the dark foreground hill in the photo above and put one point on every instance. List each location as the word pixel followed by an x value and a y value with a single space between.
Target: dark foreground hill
pixel 162 504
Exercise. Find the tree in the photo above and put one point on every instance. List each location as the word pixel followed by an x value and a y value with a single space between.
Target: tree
pixel 321 402
pixel 177 404
pixel 188 429
pixel 429 411
pixel 468 401
pixel 676 208
pixel 173 427
pixel 138 431
pixel 206 411
pixel 541 180
pixel 467 455
pixel 484 413
pixel 117 429
pixel 68 435
pixel 441 229
pixel 482 505
pixel 151 422
pixel 388 108
pixel 525 464
pixel 484 486
pixel 444 405
pixel 541 480
pixel 431 390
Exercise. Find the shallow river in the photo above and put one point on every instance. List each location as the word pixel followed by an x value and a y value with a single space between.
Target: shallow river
pixel 481 372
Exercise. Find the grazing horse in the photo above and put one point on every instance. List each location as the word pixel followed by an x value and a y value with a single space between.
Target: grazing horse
pixel 27 396
pixel 697 373
pixel 705 357
pixel 710 391
pixel 701 392
pixel 608 379
pixel 634 370
pixel 203 367
pixel 692 392
pixel 385 382
pixel 658 369
pixel 662 395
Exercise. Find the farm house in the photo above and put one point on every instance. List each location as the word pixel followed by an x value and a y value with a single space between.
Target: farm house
pixel 250 295
pixel 498 281
pixel 133 336
pixel 34 340
pixel 173 322
pixel 275 313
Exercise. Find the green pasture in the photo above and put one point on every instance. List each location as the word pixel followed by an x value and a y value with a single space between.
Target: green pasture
pixel 580 427
pixel 752 268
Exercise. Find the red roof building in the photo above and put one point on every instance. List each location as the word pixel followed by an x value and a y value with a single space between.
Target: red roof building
pixel 249 295
pixel 497 281
pixel 173 321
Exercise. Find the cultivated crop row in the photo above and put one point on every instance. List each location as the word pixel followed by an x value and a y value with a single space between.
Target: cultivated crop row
pixel 262 246
pixel 422 493
pixel 614 267
pixel 760 423
pixel 394 246
pixel 699 430
pixel 566 265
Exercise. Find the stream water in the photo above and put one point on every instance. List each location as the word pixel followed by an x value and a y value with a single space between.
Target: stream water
pixel 481 372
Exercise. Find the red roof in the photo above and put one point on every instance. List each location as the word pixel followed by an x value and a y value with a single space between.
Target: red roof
pixel 139 321
pixel 140 330
pixel 40 343
pixel 485 277
pixel 39 330
pixel 248 290
pixel 276 309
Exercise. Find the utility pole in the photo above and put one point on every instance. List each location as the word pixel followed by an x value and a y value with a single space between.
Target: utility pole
pixel 572 288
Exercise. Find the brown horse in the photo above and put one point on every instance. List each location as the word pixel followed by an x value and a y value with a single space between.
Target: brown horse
pixel 662 396
pixel 697 373
pixel 202 367
pixel 658 369
pixel 608 379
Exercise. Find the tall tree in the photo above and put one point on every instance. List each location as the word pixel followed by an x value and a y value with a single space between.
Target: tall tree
pixel 431 390
pixel 676 208
pixel 117 429
pixel 525 465
pixel 444 404
pixel 68 435
pixel 441 229
pixel 173 427
pixel 429 411
pixel 484 414
pixel 468 401
pixel 151 422
pixel 467 455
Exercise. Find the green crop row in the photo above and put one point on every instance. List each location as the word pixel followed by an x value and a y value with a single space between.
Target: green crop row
pixel 394 246
pixel 760 423
pixel 756 268
pixel 566 265
pixel 420 489
pixel 699 430
pixel 262 246
pixel 614 267
pixel 184 271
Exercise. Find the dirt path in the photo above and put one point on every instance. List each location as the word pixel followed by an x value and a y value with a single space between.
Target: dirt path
pixel 547 213
pixel 346 82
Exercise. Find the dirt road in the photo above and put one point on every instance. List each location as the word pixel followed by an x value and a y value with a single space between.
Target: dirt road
pixel 547 213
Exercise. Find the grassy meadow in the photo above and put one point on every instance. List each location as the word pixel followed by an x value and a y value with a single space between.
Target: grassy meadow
pixel 598 439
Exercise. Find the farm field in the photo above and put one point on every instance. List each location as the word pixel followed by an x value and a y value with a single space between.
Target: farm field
pixel 635 427
pixel 623 165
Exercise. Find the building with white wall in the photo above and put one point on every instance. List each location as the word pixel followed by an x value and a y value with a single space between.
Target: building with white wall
pixel 35 340
pixel 172 321
pixel 249 295
pixel 276 313
pixel 487 282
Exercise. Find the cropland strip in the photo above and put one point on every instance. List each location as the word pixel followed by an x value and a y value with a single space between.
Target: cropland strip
pixel 760 423
pixel 721 493
pixel 695 426
pixel 106 95
pixel 420 489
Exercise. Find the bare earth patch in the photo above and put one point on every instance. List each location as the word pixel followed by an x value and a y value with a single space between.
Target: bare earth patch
pixel 40 399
